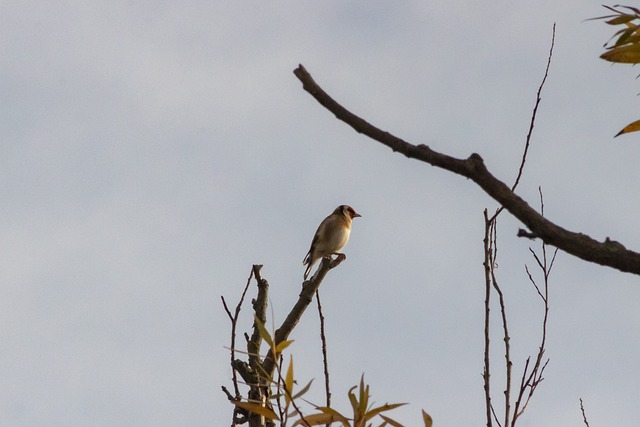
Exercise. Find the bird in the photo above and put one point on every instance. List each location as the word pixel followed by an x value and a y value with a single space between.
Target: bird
pixel 331 236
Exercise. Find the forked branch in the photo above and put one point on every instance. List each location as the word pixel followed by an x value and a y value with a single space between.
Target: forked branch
pixel 609 253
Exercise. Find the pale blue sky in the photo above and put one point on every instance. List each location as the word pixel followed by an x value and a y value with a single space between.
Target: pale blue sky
pixel 151 152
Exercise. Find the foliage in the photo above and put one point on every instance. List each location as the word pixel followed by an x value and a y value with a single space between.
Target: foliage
pixel 363 412
pixel 283 403
pixel 626 47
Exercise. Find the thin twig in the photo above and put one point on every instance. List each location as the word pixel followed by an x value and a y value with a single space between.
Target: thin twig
pixel 505 328
pixel 535 108
pixel 584 415
pixel 234 323
pixel 289 396
pixel 531 380
pixel 487 299
pixel 325 359
pixel 491 250
pixel 532 122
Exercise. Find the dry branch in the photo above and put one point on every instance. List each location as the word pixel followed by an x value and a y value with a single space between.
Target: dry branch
pixel 609 253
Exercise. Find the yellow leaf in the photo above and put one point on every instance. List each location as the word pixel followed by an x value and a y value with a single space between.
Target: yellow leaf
pixel 263 331
pixel 257 408
pixel 622 19
pixel 628 54
pixel 391 421
pixel 319 419
pixel 303 391
pixel 386 407
pixel 282 345
pixel 428 421
pixel 288 382
pixel 327 410
pixel 353 399
pixel 631 127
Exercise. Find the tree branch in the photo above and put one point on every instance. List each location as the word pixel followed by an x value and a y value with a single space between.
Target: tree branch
pixel 325 356
pixel 309 289
pixel 609 253
pixel 488 267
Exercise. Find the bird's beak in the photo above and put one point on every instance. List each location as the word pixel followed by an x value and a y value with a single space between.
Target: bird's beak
pixel 356 215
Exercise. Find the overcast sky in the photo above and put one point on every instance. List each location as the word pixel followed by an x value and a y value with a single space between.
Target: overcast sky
pixel 151 152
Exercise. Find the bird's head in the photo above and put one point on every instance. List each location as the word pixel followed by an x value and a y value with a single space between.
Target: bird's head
pixel 347 211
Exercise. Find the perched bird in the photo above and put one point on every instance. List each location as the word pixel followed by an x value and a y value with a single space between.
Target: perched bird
pixel 331 236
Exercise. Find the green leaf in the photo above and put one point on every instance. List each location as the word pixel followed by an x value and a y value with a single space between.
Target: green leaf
pixel 428 421
pixel 631 127
pixel 257 408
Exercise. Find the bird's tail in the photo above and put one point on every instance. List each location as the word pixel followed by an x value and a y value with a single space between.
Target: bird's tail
pixel 308 263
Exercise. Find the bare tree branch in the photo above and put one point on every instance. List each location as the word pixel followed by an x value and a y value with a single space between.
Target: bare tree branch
pixel 309 289
pixel 492 230
pixel 325 356
pixel 609 253
pixel 584 415
pixel 239 416
pixel 260 310
pixel 535 108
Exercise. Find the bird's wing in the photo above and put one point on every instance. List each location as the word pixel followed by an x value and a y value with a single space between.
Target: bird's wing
pixel 314 242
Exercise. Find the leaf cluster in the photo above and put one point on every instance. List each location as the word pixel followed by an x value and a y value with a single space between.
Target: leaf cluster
pixel 624 45
pixel 363 412
pixel 282 388
pixel 283 399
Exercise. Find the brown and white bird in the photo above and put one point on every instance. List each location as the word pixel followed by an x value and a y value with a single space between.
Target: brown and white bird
pixel 331 236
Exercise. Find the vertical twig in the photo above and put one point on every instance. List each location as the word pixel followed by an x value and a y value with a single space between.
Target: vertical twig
pixel 535 108
pixel 260 310
pixel 260 390
pixel 237 419
pixel 533 117
pixel 325 359
pixel 530 380
pixel 282 390
pixel 503 312
pixel 490 254
pixel 234 322
pixel 584 415
pixel 487 278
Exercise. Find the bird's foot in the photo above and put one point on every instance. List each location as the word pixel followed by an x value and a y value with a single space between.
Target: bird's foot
pixel 335 262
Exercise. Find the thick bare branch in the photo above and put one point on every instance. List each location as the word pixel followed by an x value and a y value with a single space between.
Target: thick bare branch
pixel 609 253
pixel 309 289
pixel 260 311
